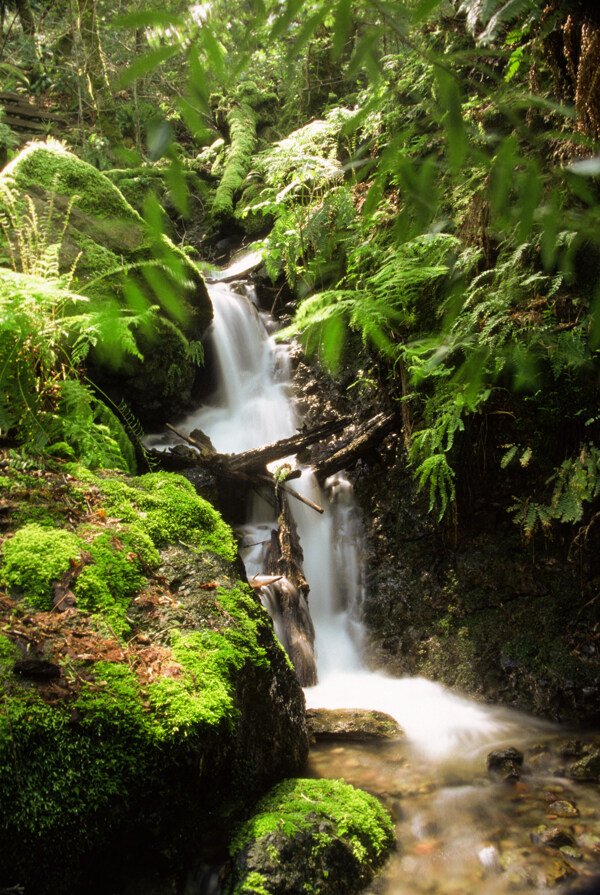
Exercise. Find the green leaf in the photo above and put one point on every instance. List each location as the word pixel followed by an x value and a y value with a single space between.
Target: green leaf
pixel 530 193
pixel 214 52
pixel 305 34
pixel 341 26
pixel 284 19
pixel 176 182
pixel 147 63
pixel 155 18
pixel 424 8
pixel 452 119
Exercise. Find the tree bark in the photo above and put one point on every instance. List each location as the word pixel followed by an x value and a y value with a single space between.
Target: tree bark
pixel 95 70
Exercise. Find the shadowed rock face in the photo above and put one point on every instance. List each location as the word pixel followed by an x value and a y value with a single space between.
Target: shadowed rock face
pixel 352 724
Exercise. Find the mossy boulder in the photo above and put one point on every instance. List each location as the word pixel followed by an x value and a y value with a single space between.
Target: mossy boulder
pixel 85 228
pixel 147 716
pixel 317 836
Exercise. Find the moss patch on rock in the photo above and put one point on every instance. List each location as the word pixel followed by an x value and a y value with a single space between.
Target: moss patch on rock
pixel 312 836
pixel 154 739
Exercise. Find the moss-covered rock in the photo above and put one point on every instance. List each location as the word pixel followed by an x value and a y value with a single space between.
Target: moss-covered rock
pixel 112 252
pixel 314 836
pixel 157 707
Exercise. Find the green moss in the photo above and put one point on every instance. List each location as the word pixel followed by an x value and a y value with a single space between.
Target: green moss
pixel 55 168
pixel 292 805
pixel 242 127
pixel 117 572
pixel 8 654
pixel 167 508
pixel 254 884
pixel 211 660
pixel 340 836
pixel 34 558
pixel 135 183
pixel 61 787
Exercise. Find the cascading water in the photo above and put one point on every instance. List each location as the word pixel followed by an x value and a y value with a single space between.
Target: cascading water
pixel 447 734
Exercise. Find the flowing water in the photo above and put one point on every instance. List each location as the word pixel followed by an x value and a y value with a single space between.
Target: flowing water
pixel 459 829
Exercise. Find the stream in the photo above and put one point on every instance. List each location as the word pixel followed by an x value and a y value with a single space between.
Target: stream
pixel 529 827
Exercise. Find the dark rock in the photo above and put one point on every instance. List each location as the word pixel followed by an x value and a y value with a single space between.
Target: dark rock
pixel 351 724
pixel 563 808
pixel 37 669
pixel 587 768
pixel 554 837
pixel 507 762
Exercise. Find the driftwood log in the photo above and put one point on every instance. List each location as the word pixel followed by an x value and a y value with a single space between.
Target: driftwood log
pixel 289 592
pixel 366 439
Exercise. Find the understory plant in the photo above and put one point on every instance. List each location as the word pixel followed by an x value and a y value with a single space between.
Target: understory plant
pixel 46 332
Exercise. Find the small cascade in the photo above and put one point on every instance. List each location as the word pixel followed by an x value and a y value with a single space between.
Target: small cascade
pixel 251 406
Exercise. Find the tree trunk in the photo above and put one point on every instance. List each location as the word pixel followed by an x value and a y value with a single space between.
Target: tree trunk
pixel 96 72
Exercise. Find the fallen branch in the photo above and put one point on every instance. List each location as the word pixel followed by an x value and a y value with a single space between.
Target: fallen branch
pixel 368 437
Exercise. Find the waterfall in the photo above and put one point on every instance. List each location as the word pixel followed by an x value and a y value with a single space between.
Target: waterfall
pixel 459 829
pixel 251 405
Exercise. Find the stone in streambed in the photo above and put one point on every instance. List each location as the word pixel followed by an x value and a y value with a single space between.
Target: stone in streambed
pixel 588 767
pixel 310 836
pixel 506 762
pixel 352 724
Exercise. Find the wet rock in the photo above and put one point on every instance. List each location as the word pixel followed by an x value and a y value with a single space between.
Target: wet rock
pixel 506 762
pixel 588 767
pixel 558 871
pixel 311 835
pixel 554 837
pixel 563 808
pixel 351 724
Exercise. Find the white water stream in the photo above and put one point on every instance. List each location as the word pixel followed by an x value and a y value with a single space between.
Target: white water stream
pixel 252 406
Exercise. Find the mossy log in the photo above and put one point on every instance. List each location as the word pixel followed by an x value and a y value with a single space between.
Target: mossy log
pixel 242 128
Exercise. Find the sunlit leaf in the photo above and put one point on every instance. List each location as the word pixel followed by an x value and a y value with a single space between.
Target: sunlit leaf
pixel 176 182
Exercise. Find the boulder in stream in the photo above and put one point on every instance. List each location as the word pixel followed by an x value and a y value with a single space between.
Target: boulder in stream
pixel 147 717
pixel 310 835
pixel 352 724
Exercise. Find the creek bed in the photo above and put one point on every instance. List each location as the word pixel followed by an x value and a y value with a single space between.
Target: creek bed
pixel 461 829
